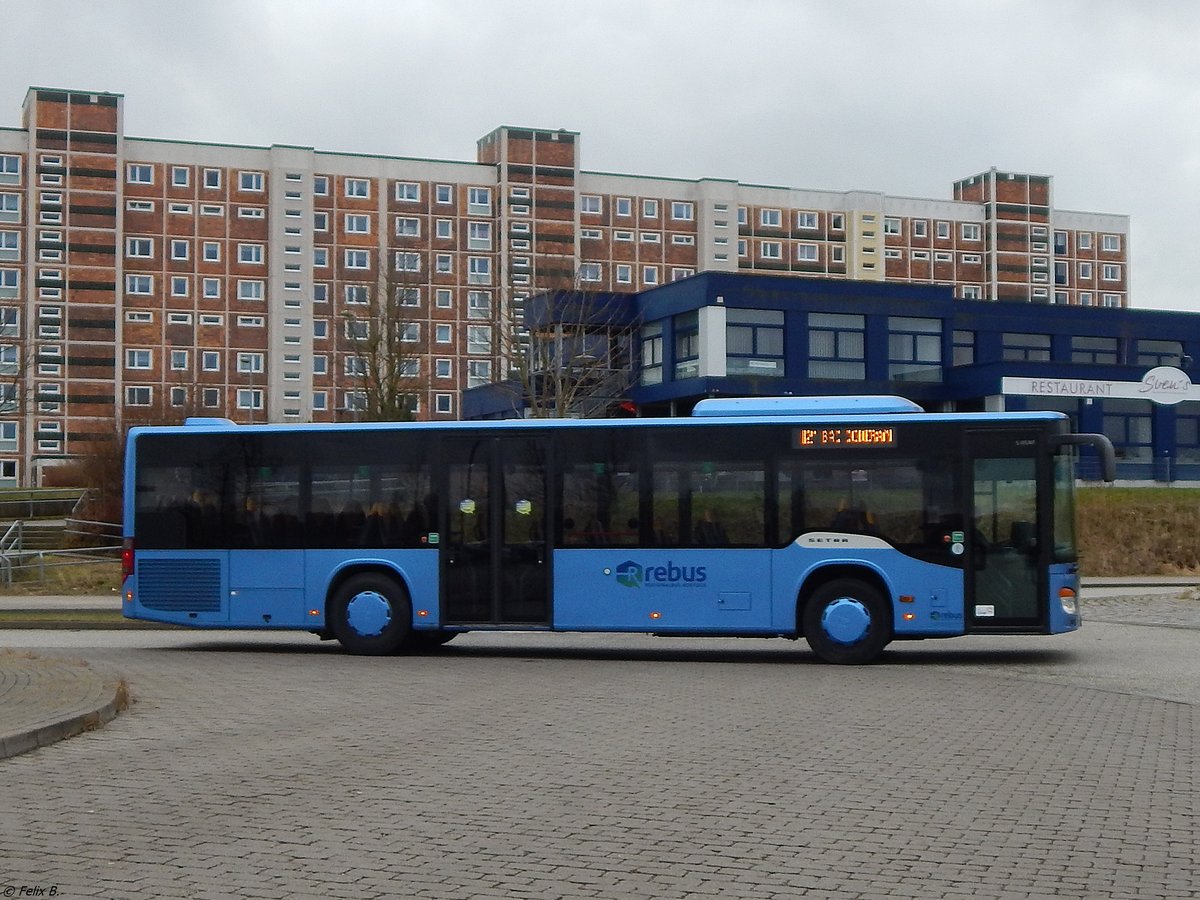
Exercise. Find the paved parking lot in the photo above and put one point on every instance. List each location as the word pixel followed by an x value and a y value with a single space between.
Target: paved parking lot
pixel 611 766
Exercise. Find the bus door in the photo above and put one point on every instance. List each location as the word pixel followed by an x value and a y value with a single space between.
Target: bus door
pixel 495 555
pixel 1005 567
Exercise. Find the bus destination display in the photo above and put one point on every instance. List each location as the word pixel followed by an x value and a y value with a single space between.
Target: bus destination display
pixel 857 436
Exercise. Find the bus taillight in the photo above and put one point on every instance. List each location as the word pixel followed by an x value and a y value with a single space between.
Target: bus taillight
pixel 126 559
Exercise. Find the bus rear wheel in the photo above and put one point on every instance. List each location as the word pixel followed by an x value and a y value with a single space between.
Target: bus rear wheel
pixel 370 615
pixel 847 622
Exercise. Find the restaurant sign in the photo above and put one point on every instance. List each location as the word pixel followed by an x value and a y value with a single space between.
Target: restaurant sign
pixel 1162 384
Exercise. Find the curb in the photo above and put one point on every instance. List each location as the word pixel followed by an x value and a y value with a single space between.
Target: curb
pixel 87 715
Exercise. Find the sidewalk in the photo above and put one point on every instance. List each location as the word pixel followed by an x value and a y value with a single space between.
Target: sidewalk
pixel 47 699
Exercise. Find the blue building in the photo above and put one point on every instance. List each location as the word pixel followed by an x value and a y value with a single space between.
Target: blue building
pixel 1122 372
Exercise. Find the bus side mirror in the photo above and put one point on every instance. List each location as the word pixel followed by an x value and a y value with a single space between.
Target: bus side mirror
pixel 1099 442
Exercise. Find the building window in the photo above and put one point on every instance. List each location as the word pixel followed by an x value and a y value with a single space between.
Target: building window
pixel 479 270
pixel 624 274
pixel 1152 353
pixel 138 359
pixel 754 342
pixel 914 348
pixel 249 290
pixel 682 212
pixel 649 275
pixel 10 207
pixel 770 218
pixel 212 179
pixel 806 253
pixel 479 236
pixel 179 360
pixel 837 346
pixel 139 284
pixel 358 224
pixel 806 220
pixel 359 259
pixel 139 396
pixel 652 354
pixel 443 333
pixel 250 181
pixel 179 286
pixel 408 227
pixel 624 207
pixel 139 173
pixel 249 398
pixel 589 272
pixel 1110 272
pixel 891 225
pixel 590 203
pixel 1094 350
pixel 443 368
pixel 770 249
pixel 1021 346
pixel 10 169
pixel 970 231
pixel 1110 243
pixel 1127 423
pixel 964 348
pixel 479 200
pixel 479 339
pixel 649 209
pixel 210 361
pixel 139 248
pixel 180 176
pixel 687 345
pixel 406 261
pixel 1085 270
pixel 358 187
pixel 479 372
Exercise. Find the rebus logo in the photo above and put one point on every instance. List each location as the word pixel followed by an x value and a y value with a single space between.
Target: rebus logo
pixel 633 575
pixel 629 574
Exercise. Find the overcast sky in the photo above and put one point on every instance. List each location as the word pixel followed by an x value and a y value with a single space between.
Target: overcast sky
pixel 902 97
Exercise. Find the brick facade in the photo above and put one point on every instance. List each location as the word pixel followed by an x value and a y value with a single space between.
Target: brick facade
pixel 139 275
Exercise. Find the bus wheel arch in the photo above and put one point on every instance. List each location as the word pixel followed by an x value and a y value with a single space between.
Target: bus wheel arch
pixel 845 613
pixel 369 610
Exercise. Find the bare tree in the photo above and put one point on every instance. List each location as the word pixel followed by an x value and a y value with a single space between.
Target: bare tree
pixel 382 332
pixel 570 350
pixel 99 466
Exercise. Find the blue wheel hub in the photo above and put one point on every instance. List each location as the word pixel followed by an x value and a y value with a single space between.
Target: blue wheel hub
pixel 846 620
pixel 368 613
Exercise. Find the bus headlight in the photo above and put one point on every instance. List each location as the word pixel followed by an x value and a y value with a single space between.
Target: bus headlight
pixel 1066 596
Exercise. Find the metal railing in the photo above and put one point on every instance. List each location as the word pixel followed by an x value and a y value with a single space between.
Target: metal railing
pixel 93 542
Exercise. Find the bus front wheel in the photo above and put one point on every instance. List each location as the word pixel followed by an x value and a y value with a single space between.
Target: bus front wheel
pixel 846 621
pixel 370 614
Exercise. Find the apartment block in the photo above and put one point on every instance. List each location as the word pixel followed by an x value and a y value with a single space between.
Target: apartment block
pixel 142 277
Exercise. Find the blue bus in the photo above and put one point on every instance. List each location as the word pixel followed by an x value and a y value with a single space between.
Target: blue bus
pixel 849 521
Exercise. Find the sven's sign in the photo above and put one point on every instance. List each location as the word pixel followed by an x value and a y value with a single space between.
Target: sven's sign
pixel 1162 384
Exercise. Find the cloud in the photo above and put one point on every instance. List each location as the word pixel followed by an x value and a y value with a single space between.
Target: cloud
pixel 903 98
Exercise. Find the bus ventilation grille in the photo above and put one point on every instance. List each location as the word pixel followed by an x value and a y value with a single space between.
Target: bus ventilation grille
pixel 180 585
